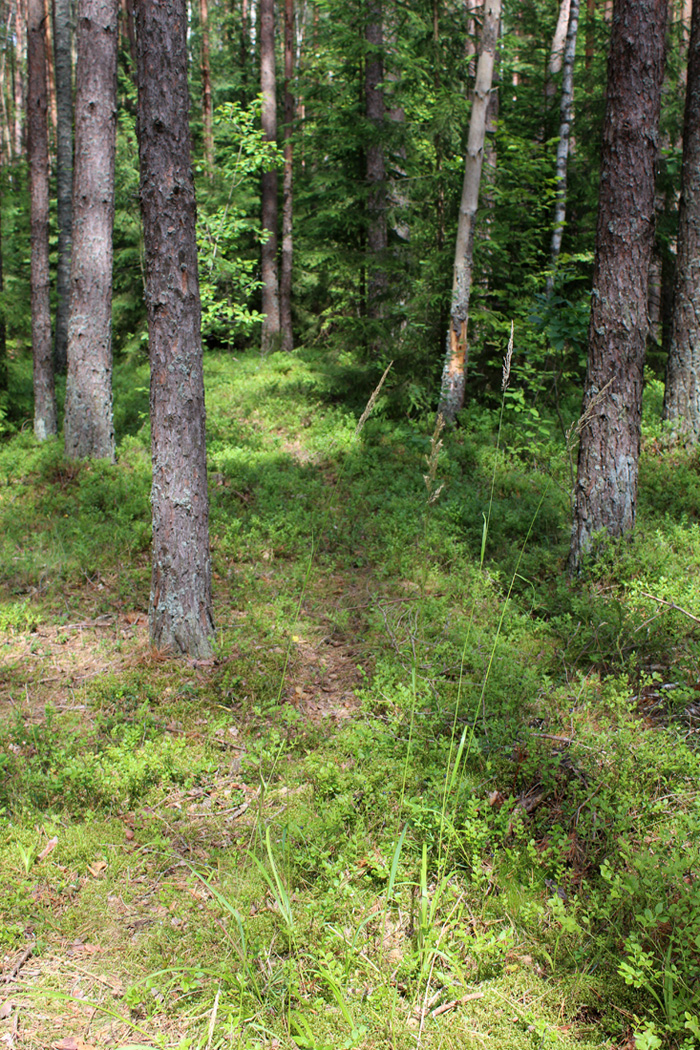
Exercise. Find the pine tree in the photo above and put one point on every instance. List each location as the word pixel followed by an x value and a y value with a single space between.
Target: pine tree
pixel 180 616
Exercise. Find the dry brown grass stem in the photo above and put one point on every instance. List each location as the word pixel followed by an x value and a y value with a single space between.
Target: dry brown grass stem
pixel 372 401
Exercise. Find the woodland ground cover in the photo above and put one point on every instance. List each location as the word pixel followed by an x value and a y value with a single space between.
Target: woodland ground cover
pixel 427 792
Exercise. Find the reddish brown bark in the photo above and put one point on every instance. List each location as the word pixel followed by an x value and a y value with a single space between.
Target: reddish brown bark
pixel 606 485
pixel 180 616
pixel 38 149
pixel 89 430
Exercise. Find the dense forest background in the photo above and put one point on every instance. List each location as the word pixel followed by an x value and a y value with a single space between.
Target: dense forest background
pixel 430 788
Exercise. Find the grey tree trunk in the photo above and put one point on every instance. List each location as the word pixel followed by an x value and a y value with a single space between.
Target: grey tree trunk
pixel 682 396
pixel 89 429
pixel 18 81
pixel 64 172
pixel 376 169
pixel 566 115
pixel 556 54
pixel 606 485
pixel 287 343
pixel 180 616
pixel 270 339
pixel 38 149
pixel 454 371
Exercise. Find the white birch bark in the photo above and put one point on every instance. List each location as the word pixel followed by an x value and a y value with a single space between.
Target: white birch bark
pixel 454 371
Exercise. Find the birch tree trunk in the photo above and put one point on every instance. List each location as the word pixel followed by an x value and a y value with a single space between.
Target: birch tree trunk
pixel 270 278
pixel 18 80
pixel 38 149
pixel 64 172
pixel 207 111
pixel 682 396
pixel 454 371
pixel 89 429
pixel 288 184
pixel 180 615
pixel 606 485
pixel 566 111
pixel 554 66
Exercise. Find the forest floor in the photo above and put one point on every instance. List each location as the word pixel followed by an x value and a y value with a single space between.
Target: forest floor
pixel 424 794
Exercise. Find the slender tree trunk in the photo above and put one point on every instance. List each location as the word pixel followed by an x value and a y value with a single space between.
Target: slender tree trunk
pixel 454 372
pixel 180 616
pixel 606 485
pixel 128 29
pixel 50 77
pixel 566 113
pixel 89 429
pixel 18 80
pixel 376 168
pixel 590 32
pixel 207 111
pixel 270 278
pixel 682 397
pixel 556 54
pixel 38 148
pixel 288 186
pixel 64 173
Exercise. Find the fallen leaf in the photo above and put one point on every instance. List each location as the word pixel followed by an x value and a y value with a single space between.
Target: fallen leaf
pixel 97 868
pixel 6 1009
pixel 129 834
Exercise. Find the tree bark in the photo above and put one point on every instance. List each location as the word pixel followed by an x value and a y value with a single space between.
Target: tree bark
pixel 556 54
pixel 270 278
pixel 566 114
pixel 89 428
pixel 287 343
pixel 50 78
pixel 606 486
pixel 682 395
pixel 64 173
pixel 376 168
pixel 3 326
pixel 180 616
pixel 38 149
pixel 207 111
pixel 454 371
pixel 18 81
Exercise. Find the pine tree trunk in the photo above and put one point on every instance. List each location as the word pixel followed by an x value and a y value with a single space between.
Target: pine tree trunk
pixel 270 339
pixel 180 616
pixel 64 173
pixel 376 170
pixel 89 429
pixel 606 485
pixel 50 77
pixel 454 372
pixel 682 396
pixel 288 185
pixel 38 149
pixel 207 112
pixel 566 111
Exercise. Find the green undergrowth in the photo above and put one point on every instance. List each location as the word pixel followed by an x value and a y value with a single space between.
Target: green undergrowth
pixel 428 793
